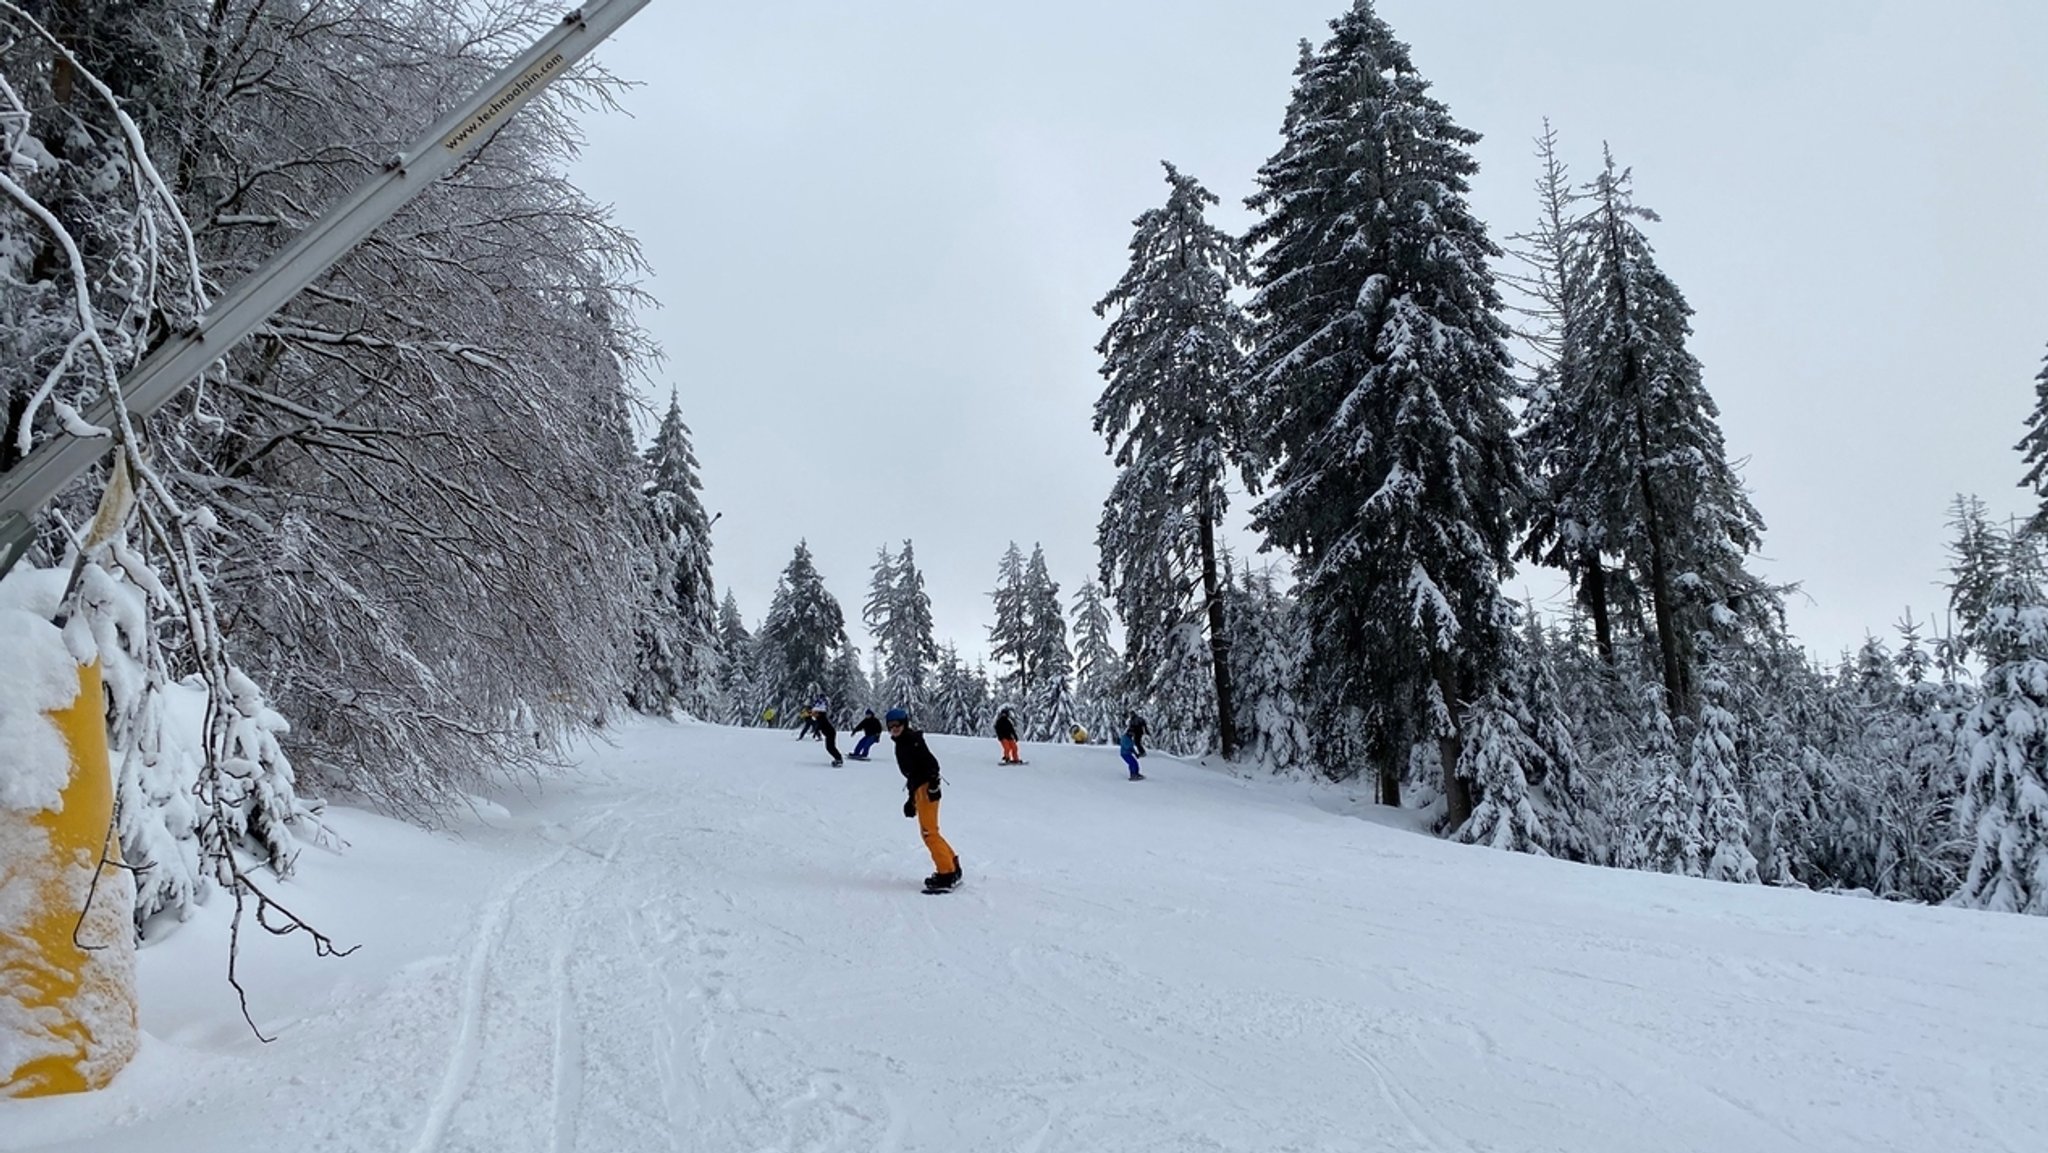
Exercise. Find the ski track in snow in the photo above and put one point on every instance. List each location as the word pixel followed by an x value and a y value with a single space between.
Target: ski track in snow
pixel 746 967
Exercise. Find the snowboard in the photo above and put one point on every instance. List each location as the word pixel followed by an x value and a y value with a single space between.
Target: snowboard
pixel 942 892
pixel 1008 763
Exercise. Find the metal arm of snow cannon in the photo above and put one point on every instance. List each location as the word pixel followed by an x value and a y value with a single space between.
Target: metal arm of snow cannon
pixel 177 362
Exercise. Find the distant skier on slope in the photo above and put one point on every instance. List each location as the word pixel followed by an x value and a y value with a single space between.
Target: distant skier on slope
pixel 1006 734
pixel 804 730
pixel 1136 731
pixel 1131 751
pixel 921 778
pixel 870 730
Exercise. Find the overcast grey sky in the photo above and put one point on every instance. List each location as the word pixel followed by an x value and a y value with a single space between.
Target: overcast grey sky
pixel 878 230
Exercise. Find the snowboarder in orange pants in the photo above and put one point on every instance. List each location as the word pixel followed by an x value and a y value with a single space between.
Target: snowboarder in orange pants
pixel 1006 735
pixel 920 771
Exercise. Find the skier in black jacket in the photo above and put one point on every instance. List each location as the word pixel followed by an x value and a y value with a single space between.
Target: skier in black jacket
pixel 870 731
pixel 1006 734
pixel 921 779
pixel 1137 730
pixel 822 720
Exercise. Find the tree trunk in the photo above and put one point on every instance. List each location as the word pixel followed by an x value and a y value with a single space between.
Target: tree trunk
pixel 1450 749
pixel 1219 644
pixel 1593 593
pixel 1676 683
pixel 1677 686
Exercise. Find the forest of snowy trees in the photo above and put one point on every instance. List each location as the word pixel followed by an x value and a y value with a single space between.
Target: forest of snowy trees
pixel 407 532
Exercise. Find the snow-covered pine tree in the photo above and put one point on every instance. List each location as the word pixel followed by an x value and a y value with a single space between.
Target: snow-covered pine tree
pixel 655 685
pixel 802 638
pixel 677 632
pixel 1566 530
pixel 1050 708
pixel 1098 668
pixel 1557 779
pixel 1978 554
pixel 2033 448
pixel 874 612
pixel 1643 453
pixel 1723 819
pixel 1266 643
pixel 1174 360
pixel 1381 374
pixel 737 677
pixel 1920 854
pixel 907 634
pixel 878 680
pixel 960 699
pixel 1009 638
pixel 2003 742
pixel 846 684
pixel 1181 710
pixel 1667 836
pixel 1498 758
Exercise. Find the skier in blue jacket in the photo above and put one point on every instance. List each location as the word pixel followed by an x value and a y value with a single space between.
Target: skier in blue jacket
pixel 1128 746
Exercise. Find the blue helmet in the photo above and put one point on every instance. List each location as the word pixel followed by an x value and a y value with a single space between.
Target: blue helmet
pixel 896 716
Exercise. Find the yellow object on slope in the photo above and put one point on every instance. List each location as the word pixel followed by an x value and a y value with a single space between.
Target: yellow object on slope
pixel 67 1013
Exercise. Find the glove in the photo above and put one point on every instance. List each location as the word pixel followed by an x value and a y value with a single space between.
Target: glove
pixel 932 791
pixel 910 807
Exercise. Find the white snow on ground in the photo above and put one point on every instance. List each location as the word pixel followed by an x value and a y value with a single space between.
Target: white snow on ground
pixel 709 940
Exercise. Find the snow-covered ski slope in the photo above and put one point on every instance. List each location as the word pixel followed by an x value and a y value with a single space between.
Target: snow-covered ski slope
pixel 712 941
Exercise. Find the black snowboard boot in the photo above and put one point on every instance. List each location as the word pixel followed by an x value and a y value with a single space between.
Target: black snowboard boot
pixel 941 881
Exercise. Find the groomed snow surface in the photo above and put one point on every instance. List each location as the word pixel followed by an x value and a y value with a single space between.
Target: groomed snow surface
pixel 709 940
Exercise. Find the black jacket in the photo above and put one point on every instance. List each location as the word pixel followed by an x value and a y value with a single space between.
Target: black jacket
pixel 870 726
pixel 1006 729
pixel 823 724
pixel 914 760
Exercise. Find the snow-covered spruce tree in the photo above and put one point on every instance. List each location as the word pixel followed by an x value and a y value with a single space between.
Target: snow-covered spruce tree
pixel 802 638
pixel 1978 553
pixel 1920 854
pixel 1498 758
pixel 736 674
pixel 2033 448
pixel 676 631
pixel 1181 710
pixel 1642 453
pixel 874 612
pixel 1098 667
pixel 1723 817
pixel 878 678
pixel 960 696
pixel 100 261
pixel 1009 638
pixel 1566 528
pixel 1266 645
pixel 905 634
pixel 1050 709
pixel 424 465
pixel 1667 836
pixel 846 683
pixel 1381 379
pixel 2004 741
pixel 1785 768
pixel 1173 358
pixel 1557 778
